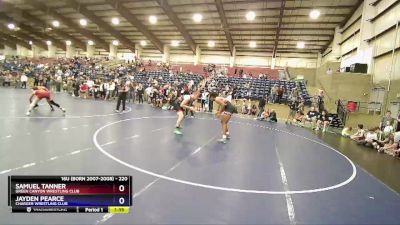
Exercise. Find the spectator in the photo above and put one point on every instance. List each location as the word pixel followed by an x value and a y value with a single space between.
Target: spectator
pixel 371 138
pixel 311 117
pixel 320 101
pixel 323 119
pixel 329 71
pixel 272 116
pixel 123 91
pixel 7 80
pixel 390 147
pixel 253 110
pixel 298 118
pixel 387 117
pixel 346 131
pixel 264 115
pixel 24 80
pixel 398 123
pixel 360 134
pixel 274 93
pixel 388 129
pixel 280 94
pixel 261 105
pixel 293 107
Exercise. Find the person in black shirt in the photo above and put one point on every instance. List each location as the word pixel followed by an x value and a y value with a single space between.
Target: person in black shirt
pixel 298 118
pixel 272 116
pixel 293 106
pixel 324 120
pixel 311 117
pixel 261 105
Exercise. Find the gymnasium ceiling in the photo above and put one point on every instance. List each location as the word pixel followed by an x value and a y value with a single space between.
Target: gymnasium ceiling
pixel 277 28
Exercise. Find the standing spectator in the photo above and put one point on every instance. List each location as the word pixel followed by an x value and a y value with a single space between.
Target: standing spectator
pixel 320 101
pixel 274 93
pixel 280 95
pixel 210 105
pixel 293 106
pixel 261 106
pixel 140 92
pixel 204 97
pixel 122 93
pixel 24 79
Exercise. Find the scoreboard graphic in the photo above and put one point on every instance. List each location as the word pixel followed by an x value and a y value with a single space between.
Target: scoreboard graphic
pixel 70 194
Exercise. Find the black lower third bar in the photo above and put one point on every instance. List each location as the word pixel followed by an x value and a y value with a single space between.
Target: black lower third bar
pixel 77 209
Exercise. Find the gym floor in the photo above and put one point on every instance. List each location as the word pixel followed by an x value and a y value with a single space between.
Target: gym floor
pixel 266 174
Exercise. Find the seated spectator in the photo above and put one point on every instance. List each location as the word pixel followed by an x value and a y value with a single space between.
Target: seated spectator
pixel 323 120
pixel 390 147
pixel 360 134
pixel 371 138
pixel 272 116
pixel 244 109
pixel 298 118
pixel 264 115
pixel 388 129
pixel 382 143
pixel 311 117
pixel 84 90
pixel 346 131
pixel 387 117
pixel 253 110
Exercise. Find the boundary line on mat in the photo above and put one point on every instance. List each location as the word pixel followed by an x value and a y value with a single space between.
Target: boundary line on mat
pixel 145 188
pixel 351 178
pixel 67 117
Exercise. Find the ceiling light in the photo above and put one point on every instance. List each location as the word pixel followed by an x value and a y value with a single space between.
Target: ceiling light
pixel 211 44
pixel 83 22
pixel 300 44
pixel 143 43
pixel 48 43
pixel 30 42
pixel 197 17
pixel 68 42
pixel 175 43
pixel 90 42
pixel 314 14
pixel 11 26
pixel 250 15
pixel 115 21
pixel 55 23
pixel 252 44
pixel 152 19
pixel 115 42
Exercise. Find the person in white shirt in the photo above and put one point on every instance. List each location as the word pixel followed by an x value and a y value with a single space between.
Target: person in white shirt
pixel 24 79
pixel 371 138
pixel 388 129
pixel 204 97
pixel 110 90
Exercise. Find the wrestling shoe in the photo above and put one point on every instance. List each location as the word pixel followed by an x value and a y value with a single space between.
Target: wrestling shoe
pixel 64 111
pixel 28 113
pixel 178 131
pixel 223 140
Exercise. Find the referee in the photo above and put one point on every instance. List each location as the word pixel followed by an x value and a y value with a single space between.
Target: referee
pixel 123 92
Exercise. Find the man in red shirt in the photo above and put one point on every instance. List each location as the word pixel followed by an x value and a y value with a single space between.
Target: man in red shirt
pixel 38 94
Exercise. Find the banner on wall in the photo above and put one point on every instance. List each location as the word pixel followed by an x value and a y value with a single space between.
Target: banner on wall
pixel 363 57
